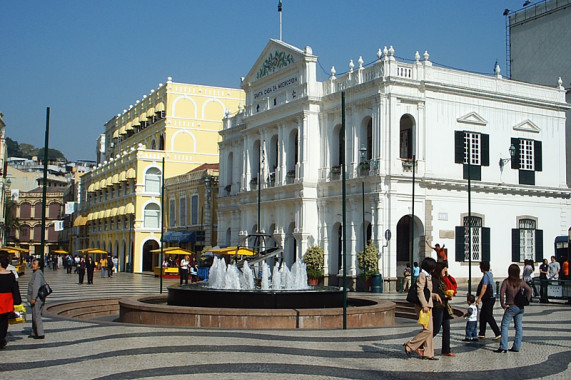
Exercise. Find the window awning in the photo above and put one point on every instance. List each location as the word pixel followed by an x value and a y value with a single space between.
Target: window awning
pixel 129 208
pixel 80 221
pixel 179 237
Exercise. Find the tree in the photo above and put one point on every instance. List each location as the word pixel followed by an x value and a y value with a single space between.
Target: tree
pixel 53 155
pixel 28 150
pixel 13 148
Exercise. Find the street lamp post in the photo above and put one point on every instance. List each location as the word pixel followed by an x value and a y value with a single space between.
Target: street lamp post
pixel 363 151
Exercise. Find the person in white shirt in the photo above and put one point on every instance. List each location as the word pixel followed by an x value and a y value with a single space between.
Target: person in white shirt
pixel 471 320
pixel 183 269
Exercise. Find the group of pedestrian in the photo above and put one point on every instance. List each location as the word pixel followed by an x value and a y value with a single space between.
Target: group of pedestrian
pixel 186 268
pixel 435 288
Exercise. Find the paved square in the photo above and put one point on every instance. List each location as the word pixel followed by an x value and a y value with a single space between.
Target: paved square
pixel 106 350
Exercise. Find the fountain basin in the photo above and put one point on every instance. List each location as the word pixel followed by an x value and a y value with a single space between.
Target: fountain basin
pixel 153 310
pixel 199 295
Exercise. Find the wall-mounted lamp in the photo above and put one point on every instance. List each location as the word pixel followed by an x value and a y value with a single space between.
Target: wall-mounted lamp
pixel 504 161
pixel 363 151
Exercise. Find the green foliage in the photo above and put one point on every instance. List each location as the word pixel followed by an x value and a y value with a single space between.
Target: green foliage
pixel 13 148
pixel 314 259
pixel 53 155
pixel 28 150
pixel 369 260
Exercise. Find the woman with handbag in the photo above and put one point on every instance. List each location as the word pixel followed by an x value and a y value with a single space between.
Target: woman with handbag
pixel 425 297
pixel 9 296
pixel 513 305
pixel 37 303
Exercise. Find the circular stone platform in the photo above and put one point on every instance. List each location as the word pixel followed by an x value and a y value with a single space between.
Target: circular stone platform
pixel 153 310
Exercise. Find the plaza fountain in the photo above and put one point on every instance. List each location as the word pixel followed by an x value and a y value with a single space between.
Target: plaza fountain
pixel 252 296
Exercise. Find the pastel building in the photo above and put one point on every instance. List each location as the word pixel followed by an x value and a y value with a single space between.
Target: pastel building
pixel 403 120
pixel 120 200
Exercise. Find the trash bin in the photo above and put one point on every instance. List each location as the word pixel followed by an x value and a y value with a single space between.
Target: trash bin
pixel 377 283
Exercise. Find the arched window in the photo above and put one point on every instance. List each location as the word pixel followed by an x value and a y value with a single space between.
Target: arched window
pixel 25 210
pixel 274 154
pixel 406 136
pixel 38 210
pixel 293 148
pixel 37 233
pixel 255 160
pixel 162 142
pixel 229 171
pixel 53 235
pixel 25 233
pixel 152 215
pixel 54 210
pixel 153 144
pixel 370 140
pixel 153 180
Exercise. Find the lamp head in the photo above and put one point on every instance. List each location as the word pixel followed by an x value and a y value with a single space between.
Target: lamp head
pixel 512 151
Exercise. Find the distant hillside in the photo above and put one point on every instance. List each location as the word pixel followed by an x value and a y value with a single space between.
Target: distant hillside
pixel 28 151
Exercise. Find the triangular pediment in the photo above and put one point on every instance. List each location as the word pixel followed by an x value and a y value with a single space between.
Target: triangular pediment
pixel 527 126
pixel 276 57
pixel 472 118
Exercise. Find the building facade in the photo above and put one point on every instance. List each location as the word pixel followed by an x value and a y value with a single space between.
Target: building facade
pixel 190 205
pixel 121 198
pixel 408 125
pixel 4 185
pixel 537 36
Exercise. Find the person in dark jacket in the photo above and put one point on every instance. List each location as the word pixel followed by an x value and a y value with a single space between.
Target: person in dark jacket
pixel 9 296
pixel 90 267
pixel 442 312
pixel 81 269
pixel 35 301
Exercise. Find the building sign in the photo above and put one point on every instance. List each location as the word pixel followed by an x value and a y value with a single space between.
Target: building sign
pixel 276 87
pixel 275 61
pixel 58 225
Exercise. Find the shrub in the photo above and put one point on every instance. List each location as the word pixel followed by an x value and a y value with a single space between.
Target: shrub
pixel 314 259
pixel 368 260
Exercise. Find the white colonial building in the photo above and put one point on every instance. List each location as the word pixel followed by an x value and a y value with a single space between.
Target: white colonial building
pixel 448 120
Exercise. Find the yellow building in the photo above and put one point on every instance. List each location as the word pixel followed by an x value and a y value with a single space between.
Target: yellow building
pixel 190 208
pixel 120 200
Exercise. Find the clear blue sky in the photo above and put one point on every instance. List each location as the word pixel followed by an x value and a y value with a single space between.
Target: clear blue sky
pixel 89 60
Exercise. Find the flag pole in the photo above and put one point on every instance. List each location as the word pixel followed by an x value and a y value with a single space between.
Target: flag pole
pixel 280 12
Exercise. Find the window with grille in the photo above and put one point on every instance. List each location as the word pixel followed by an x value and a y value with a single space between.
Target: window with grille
pixel 472 148
pixel 183 211
pixel 526 155
pixel 194 210
pixel 172 212
pixel 527 229
pixel 476 241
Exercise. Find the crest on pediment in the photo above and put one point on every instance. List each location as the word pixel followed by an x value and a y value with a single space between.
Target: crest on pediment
pixel 276 56
pixel 527 126
pixel 472 118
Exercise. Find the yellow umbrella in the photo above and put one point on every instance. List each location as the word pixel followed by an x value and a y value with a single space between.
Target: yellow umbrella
pixel 13 249
pixel 60 251
pixel 242 251
pixel 173 251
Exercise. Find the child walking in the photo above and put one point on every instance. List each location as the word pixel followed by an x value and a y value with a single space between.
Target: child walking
pixel 471 320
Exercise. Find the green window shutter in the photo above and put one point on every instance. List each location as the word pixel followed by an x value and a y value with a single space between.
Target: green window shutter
pixel 538 246
pixel 515 246
pixel 475 172
pixel 485 152
pixel 485 244
pixel 537 156
pixel 515 159
pixel 458 147
pixel 527 177
pixel 460 253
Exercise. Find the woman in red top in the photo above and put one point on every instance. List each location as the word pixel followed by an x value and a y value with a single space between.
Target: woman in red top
pixel 9 296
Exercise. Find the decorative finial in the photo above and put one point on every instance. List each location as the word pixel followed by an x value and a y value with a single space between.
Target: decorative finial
pixel 144 97
pixel 426 55
pixel 169 79
pixel 385 51
pixel 379 54
pixel 560 84
pixel 391 51
pixel 360 61
pixel 152 90
pixel 417 56
pixel 351 66
pixel 160 85
pixel 333 72
pixel 497 69
pixel 136 102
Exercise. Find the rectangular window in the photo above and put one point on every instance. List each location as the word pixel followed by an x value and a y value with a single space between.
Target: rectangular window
pixel 183 211
pixel 526 155
pixel 472 148
pixel 194 210
pixel 527 239
pixel 476 239
pixel 172 212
